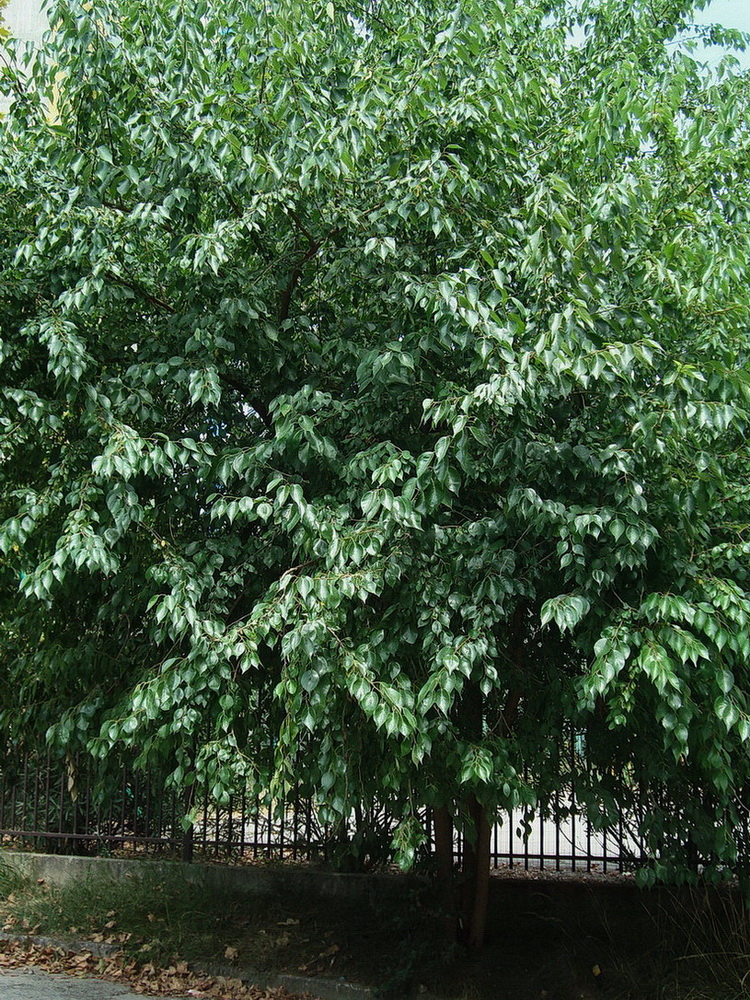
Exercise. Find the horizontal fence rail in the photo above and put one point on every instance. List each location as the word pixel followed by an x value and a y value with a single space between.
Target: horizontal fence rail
pixel 62 806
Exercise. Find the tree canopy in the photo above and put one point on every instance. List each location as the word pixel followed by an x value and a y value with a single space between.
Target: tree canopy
pixel 375 381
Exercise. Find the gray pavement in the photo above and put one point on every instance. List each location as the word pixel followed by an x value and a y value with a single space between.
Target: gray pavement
pixel 34 984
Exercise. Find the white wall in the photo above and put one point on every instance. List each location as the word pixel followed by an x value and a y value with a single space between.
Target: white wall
pixel 26 22
pixel 25 19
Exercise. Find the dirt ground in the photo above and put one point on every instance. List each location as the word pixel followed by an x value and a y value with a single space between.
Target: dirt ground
pixel 546 940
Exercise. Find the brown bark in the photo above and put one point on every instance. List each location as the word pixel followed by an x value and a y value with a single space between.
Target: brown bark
pixel 476 878
pixel 443 829
pixel 478 921
pixel 468 889
pixel 476 852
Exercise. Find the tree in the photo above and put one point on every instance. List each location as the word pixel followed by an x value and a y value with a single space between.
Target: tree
pixel 376 381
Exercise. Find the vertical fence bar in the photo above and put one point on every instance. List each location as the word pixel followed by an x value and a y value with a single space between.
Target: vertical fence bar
pixel 134 787
pixel 511 834
pixel 295 821
pixel 573 803
pixel 187 839
pixel 109 821
pixel 72 779
pixel 87 798
pixel 4 777
pixel 217 828
pixel 14 795
pixel 61 817
pixel 172 818
pixel 256 814
pixel 308 830
pixel 526 838
pixel 35 807
pixel 47 790
pixel 25 783
pixel 148 819
pixel 204 792
pixel 243 823
pixel 541 822
pixel 269 830
pixel 230 824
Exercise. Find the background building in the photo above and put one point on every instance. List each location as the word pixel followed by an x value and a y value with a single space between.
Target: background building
pixel 27 22
pixel 25 19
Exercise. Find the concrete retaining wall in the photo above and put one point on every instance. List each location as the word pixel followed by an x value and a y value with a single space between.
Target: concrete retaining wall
pixel 265 882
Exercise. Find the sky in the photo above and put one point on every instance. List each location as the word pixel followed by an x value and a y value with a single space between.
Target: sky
pixel 732 14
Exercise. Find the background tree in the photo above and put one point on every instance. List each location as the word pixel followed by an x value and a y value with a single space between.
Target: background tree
pixel 375 381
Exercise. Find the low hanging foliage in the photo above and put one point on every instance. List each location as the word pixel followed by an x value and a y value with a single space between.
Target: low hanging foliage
pixel 375 384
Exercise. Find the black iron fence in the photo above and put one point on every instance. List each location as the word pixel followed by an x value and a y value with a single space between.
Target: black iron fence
pixel 70 806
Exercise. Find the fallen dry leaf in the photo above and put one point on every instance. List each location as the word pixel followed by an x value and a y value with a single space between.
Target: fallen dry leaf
pixel 175 980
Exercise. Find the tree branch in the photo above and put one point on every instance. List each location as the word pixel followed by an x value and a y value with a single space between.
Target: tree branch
pixel 140 290
pixel 286 296
pixel 260 407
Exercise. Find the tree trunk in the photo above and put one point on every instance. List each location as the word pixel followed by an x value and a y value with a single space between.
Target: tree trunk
pixel 476 876
pixel 481 877
pixel 443 827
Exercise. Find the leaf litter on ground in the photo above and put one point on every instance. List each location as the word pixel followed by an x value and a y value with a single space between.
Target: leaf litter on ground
pixel 176 979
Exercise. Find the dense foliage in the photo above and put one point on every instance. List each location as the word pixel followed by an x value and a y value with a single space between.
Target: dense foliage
pixel 375 383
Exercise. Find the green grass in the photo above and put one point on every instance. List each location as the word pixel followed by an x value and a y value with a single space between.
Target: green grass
pixel 144 916
pixel 12 879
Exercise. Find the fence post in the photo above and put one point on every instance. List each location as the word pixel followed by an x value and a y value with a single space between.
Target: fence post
pixel 188 835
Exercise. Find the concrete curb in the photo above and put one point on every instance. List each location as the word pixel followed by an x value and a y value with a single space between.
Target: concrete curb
pixel 74 946
pixel 320 989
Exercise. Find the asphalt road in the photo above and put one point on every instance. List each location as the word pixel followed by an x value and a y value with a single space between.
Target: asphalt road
pixel 34 984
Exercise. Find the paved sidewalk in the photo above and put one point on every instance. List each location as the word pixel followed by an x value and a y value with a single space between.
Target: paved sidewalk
pixel 34 984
